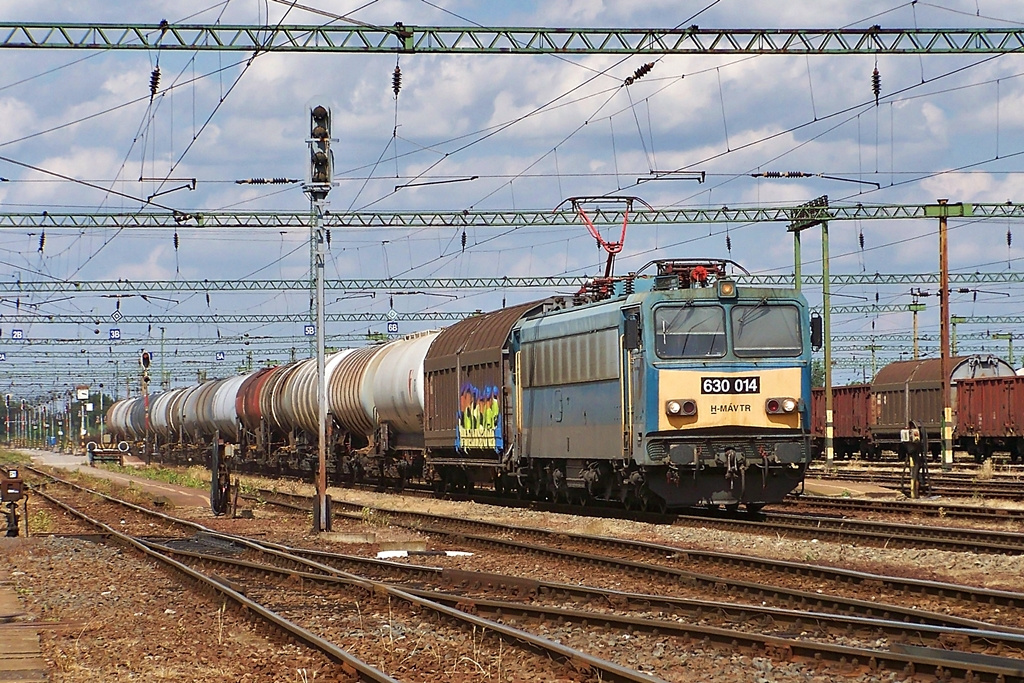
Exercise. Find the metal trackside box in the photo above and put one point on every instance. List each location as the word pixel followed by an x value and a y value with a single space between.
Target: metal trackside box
pixel 13 488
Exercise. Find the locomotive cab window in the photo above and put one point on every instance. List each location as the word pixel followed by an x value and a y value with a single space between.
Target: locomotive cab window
pixel 766 331
pixel 689 331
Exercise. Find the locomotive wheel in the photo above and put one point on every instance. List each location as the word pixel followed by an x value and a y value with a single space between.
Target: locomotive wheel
pixel 652 502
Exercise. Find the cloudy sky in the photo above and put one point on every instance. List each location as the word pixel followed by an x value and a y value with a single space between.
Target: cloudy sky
pixel 534 130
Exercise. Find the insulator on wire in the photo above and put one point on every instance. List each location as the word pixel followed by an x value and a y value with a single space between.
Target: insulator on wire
pixel 728 243
pixel 463 240
pixel 42 241
pixel 876 84
pixel 1009 238
pixel 391 301
pixel 396 80
pixel 176 240
pixel 154 83
pixel 641 71
pixel 860 238
pixel 876 297
pixel 327 234
pixel 207 299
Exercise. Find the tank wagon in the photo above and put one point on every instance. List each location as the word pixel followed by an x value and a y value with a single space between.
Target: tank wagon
pixel 677 388
pixel 986 396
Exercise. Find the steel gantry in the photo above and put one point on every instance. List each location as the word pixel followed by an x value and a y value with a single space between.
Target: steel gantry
pixel 402 38
pixel 254 319
pixel 406 285
pixel 222 220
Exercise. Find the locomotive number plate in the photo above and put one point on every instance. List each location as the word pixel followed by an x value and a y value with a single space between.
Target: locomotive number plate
pixel 730 385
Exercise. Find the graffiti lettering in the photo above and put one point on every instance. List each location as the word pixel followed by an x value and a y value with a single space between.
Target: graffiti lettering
pixel 479 419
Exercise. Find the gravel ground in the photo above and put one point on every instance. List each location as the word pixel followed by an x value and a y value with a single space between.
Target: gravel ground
pixel 990 571
pixel 151 634
pixel 158 630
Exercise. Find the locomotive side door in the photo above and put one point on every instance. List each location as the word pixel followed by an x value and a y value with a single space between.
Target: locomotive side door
pixel 632 375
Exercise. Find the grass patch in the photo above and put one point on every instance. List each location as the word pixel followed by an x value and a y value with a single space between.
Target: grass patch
pixel 13 458
pixel 374 517
pixel 40 521
pixel 195 477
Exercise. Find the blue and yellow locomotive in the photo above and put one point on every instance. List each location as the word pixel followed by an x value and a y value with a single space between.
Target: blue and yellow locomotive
pixel 671 390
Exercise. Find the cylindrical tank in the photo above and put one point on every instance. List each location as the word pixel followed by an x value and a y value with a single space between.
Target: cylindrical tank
pixel 223 417
pixel 192 410
pixel 247 401
pixel 159 420
pixel 299 402
pixel 350 393
pixel 273 395
pixel 398 388
pixel 176 412
pixel 137 417
pixel 117 419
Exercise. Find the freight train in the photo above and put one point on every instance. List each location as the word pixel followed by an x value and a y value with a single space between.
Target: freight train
pixel 674 388
pixel 986 396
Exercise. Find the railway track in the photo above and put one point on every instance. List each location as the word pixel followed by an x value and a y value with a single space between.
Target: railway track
pixel 946 484
pixel 208 547
pixel 972 661
pixel 911 507
pixel 627 551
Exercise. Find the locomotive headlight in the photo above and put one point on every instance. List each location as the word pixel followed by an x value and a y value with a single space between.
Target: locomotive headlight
pixel 780 406
pixel 686 407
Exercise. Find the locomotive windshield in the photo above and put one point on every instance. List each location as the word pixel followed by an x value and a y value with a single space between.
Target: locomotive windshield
pixel 766 331
pixel 689 331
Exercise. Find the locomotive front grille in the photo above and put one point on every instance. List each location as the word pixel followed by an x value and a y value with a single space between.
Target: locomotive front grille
pixel 720 452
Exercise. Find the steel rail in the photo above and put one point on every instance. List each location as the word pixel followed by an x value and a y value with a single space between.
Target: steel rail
pixel 660 551
pixel 940 510
pixel 609 670
pixel 505 610
pixel 937 661
pixel 945 484
pixel 692 608
pixel 887 533
pixel 578 659
pixel 347 660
